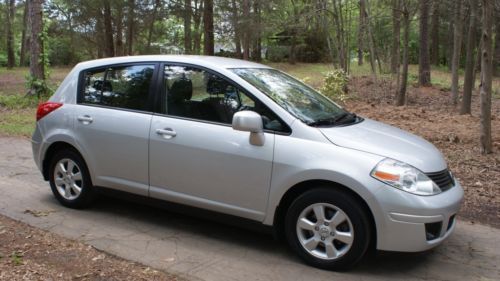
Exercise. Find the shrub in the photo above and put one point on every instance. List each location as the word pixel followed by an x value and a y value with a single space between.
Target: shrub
pixel 18 101
pixel 335 84
pixel 3 60
pixel 277 53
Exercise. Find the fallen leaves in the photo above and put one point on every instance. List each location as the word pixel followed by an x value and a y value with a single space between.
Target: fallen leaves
pixel 38 214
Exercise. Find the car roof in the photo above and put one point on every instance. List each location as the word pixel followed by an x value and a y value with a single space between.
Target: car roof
pixel 209 61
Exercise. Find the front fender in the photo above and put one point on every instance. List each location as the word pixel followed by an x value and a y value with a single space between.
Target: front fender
pixel 320 161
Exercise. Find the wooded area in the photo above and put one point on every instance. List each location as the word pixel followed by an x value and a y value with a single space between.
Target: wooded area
pixel 458 35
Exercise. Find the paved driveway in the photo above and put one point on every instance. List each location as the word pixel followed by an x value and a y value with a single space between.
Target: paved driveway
pixel 203 250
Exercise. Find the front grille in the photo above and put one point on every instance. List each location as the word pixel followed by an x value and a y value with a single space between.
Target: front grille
pixel 443 179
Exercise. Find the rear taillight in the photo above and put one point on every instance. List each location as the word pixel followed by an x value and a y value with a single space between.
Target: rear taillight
pixel 46 108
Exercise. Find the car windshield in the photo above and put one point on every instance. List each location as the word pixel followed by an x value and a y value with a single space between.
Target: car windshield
pixel 298 99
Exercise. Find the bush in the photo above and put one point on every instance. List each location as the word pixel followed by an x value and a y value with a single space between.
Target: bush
pixel 277 53
pixel 18 101
pixel 3 60
pixel 334 86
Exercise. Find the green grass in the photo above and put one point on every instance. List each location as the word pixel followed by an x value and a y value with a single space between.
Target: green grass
pixel 17 122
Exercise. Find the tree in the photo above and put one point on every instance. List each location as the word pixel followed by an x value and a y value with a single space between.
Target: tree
pixel 36 44
pixel 130 27
pixel 486 76
pixel 364 4
pixel 401 96
pixel 246 30
pixel 109 49
pixel 22 60
pixel 361 30
pixel 37 59
pixel 457 47
pixel 424 64
pixel 208 28
pixel 469 60
pixel 187 26
pixel 11 4
pixel 396 27
pixel 434 52
pixel 496 58
pixel 236 28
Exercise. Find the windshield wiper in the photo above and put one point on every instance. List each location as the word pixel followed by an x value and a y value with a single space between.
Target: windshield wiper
pixel 343 118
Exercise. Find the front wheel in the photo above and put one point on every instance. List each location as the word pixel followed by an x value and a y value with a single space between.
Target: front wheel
pixel 70 180
pixel 328 228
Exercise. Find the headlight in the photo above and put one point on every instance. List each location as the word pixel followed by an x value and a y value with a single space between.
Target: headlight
pixel 405 177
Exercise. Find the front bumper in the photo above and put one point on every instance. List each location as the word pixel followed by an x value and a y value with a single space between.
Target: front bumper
pixel 411 223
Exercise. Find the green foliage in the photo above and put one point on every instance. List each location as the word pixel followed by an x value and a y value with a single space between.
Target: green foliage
pixel 335 84
pixel 18 102
pixel 17 258
pixel 38 87
pixel 277 53
pixel 3 60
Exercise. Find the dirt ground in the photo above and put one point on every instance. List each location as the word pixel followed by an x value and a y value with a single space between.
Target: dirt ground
pixel 429 115
pixel 28 253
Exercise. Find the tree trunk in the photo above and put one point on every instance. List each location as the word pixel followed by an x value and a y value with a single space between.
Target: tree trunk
pixel 109 50
pixel 119 32
pixel 424 64
pixel 11 4
pixel 435 32
pixel 152 26
pixel 486 76
pixel 256 50
pixel 22 59
pixel 396 27
pixel 457 46
pixel 236 27
pixel 496 58
pixel 37 65
pixel 208 28
pixel 363 3
pixel 130 27
pixel 197 24
pixel 401 97
pixel 246 31
pixel 469 60
pixel 361 31
pixel 187 26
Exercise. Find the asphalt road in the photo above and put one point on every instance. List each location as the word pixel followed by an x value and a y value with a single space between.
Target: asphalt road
pixel 200 249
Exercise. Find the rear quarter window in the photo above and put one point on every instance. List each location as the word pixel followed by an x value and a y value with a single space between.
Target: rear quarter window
pixel 126 87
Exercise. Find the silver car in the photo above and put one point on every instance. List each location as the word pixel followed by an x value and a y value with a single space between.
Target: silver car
pixel 247 140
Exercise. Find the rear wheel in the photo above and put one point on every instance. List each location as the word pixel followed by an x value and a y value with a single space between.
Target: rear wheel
pixel 328 228
pixel 70 180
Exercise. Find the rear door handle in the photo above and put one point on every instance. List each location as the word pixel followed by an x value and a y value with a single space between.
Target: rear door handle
pixel 85 119
pixel 166 133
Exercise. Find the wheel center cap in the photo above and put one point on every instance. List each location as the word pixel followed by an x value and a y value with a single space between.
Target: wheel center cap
pixel 324 231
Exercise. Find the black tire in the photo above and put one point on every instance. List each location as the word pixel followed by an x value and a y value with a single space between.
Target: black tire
pixel 351 208
pixel 87 194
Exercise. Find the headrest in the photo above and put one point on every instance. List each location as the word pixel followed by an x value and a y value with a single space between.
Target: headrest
pixel 103 85
pixel 181 90
pixel 216 85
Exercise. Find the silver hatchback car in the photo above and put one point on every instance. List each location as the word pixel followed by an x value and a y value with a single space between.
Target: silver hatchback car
pixel 246 140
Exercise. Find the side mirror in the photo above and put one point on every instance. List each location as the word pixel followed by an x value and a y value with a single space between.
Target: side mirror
pixel 249 121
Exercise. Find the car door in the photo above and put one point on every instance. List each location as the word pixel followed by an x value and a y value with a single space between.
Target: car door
pixel 112 124
pixel 196 157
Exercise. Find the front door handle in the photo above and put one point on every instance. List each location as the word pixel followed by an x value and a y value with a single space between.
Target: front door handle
pixel 85 119
pixel 167 133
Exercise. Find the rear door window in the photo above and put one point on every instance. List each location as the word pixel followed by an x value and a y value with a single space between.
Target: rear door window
pixel 126 87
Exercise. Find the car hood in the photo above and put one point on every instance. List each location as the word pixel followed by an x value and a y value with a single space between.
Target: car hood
pixel 388 141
